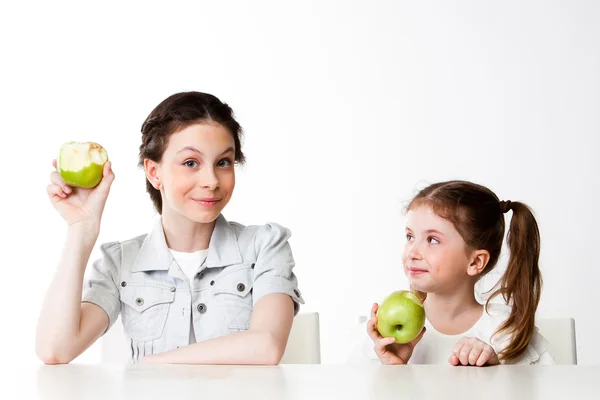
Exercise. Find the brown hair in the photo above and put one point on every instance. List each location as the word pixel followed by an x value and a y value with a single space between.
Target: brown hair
pixel 175 113
pixel 478 216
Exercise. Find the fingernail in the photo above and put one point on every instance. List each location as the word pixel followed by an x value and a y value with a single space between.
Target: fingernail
pixel 67 189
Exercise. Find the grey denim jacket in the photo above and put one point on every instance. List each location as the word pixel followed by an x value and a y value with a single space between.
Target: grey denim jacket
pixel 140 279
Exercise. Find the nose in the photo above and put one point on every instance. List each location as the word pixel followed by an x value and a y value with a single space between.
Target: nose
pixel 413 250
pixel 208 178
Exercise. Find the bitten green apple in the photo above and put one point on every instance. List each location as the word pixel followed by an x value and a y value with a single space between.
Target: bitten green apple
pixel 401 315
pixel 80 164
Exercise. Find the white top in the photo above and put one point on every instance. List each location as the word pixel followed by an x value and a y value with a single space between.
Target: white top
pixel 298 382
pixel 190 263
pixel 436 347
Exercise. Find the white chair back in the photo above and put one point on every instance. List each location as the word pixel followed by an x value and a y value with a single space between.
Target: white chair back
pixel 304 343
pixel 560 334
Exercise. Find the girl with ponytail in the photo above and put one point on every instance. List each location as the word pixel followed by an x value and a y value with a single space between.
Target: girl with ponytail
pixel 454 236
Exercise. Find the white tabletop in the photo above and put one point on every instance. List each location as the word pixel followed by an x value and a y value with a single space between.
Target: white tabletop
pixel 337 382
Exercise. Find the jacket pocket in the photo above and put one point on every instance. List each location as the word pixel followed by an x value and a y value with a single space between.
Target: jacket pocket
pixel 232 292
pixel 144 310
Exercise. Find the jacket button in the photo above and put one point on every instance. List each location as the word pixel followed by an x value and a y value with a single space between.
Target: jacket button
pixel 212 283
pixel 123 284
pixel 139 301
pixel 241 287
pixel 252 266
pixel 201 308
pixel 173 288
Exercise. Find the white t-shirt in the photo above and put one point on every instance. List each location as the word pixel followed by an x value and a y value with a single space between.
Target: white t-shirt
pixel 189 264
pixel 436 347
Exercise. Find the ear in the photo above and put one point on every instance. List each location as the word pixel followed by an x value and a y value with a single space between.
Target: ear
pixel 152 168
pixel 479 260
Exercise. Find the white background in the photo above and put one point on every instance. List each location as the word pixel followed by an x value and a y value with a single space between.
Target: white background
pixel 348 107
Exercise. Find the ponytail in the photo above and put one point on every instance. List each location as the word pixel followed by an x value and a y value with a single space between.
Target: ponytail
pixel 522 281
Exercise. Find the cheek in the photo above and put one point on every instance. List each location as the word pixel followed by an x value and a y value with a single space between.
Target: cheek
pixel 405 253
pixel 179 181
pixel 447 262
pixel 436 260
pixel 227 181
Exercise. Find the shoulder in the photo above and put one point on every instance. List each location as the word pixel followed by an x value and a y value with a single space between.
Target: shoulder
pixel 271 232
pixel 261 236
pixel 494 315
pixel 132 243
pixel 265 229
pixel 116 251
pixel 116 247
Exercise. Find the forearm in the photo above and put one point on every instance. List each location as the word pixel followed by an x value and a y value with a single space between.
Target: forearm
pixel 240 348
pixel 59 320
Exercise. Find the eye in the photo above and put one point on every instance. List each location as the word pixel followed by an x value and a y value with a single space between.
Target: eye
pixel 225 162
pixel 191 163
pixel 433 240
pixel 409 237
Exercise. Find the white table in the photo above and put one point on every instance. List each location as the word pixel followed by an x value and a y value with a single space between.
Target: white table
pixel 336 382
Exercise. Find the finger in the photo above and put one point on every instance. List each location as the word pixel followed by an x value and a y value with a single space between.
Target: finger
pixel 475 354
pixel 464 355
pixel 54 163
pixel 488 355
pixel 107 168
pixel 108 177
pixel 458 347
pixel 493 360
pixel 55 190
pixel 57 180
pixel 381 344
pixel 453 360
pixel 372 329
pixel 374 309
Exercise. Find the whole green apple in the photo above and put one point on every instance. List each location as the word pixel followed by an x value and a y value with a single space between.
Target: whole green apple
pixel 401 315
pixel 80 164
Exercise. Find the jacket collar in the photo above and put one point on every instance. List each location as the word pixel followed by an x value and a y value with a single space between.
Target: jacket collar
pixel 223 249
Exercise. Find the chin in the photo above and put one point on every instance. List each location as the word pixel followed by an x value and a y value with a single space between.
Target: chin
pixel 420 286
pixel 203 217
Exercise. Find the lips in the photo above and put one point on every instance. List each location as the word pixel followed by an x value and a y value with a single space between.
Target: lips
pixel 417 271
pixel 207 201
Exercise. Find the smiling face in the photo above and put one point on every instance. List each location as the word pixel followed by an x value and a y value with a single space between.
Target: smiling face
pixel 196 175
pixel 435 256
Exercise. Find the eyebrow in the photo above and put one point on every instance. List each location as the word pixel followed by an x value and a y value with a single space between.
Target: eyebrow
pixel 434 231
pixel 428 231
pixel 195 150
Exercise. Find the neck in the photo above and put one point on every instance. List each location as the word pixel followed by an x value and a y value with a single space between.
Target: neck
pixel 455 311
pixel 184 235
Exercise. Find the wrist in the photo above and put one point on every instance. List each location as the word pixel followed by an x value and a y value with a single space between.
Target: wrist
pixel 83 234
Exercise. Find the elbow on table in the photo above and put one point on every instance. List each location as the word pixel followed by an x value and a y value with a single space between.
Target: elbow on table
pixel 51 355
pixel 273 350
pixel 53 359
